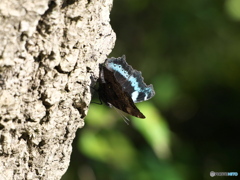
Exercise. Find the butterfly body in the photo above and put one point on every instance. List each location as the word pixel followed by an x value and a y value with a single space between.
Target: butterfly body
pixel 121 86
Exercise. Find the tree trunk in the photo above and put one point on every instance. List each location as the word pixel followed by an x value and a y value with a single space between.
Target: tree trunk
pixel 49 50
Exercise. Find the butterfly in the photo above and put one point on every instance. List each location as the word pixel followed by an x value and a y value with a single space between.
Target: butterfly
pixel 122 86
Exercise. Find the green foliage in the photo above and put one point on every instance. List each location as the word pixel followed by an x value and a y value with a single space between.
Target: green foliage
pixel 233 9
pixel 155 130
pixel 108 147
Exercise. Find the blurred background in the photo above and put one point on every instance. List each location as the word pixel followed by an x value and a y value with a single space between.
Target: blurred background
pixel 190 52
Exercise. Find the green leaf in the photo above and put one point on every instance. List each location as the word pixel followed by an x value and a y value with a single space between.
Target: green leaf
pixel 154 129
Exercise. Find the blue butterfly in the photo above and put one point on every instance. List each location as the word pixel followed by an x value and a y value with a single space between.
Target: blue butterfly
pixel 121 86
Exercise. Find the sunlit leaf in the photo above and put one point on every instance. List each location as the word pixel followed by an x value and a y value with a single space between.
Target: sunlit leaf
pixel 233 9
pixel 110 147
pixel 154 129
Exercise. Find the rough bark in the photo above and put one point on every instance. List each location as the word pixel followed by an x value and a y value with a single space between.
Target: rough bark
pixel 49 50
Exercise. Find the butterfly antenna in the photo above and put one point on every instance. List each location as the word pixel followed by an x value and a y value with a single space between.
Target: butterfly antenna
pixel 126 120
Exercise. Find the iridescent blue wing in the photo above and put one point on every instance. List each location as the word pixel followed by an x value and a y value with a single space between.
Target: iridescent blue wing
pixel 130 79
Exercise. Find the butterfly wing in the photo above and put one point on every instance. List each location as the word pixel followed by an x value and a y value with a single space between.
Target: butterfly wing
pixel 130 79
pixel 112 93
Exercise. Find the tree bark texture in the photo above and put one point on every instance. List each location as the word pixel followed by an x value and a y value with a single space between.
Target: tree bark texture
pixel 49 50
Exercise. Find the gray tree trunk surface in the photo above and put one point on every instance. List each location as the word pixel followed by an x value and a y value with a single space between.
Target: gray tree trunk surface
pixel 49 50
